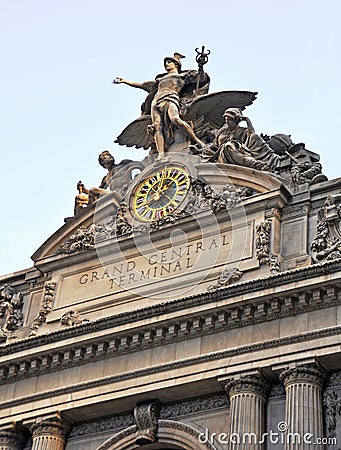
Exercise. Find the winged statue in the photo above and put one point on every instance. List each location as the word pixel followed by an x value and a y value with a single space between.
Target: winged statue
pixel 210 107
pixel 176 100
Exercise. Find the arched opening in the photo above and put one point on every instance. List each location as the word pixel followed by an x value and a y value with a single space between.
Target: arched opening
pixel 171 435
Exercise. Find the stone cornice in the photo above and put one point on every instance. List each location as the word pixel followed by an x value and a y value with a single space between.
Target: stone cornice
pixel 175 365
pixel 280 279
pixel 174 330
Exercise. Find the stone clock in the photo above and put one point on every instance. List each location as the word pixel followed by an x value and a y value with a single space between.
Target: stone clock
pixel 160 193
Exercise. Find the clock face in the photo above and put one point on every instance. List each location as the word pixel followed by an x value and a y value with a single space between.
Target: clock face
pixel 160 193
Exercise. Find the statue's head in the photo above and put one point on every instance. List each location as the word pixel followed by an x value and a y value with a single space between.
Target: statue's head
pixel 176 59
pixel 106 159
pixel 233 113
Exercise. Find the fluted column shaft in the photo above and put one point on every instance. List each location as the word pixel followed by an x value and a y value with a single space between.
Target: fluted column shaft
pixel 48 434
pixel 247 412
pixel 303 408
pixel 13 438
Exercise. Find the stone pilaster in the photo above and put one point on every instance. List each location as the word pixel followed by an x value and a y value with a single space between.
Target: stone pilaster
pixel 13 438
pixel 247 412
pixel 49 434
pixel 303 408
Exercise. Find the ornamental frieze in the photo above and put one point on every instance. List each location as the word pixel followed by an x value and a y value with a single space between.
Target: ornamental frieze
pixel 202 197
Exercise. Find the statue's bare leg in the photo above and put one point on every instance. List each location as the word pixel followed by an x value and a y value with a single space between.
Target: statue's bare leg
pixel 158 133
pixel 175 119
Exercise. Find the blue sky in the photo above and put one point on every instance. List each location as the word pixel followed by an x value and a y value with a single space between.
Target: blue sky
pixel 59 110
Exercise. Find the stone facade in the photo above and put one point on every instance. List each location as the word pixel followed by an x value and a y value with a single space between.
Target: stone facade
pixel 216 328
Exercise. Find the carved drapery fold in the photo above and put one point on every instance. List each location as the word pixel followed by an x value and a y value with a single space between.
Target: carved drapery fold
pixel 303 409
pixel 247 412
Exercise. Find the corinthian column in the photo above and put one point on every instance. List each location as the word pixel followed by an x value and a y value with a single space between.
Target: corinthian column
pixel 13 438
pixel 49 434
pixel 247 412
pixel 303 408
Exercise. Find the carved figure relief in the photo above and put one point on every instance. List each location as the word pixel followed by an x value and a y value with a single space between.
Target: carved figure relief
pixel 327 241
pixel 83 239
pixel 11 316
pixel 45 308
pixel 226 277
pixel 332 404
pixel 72 318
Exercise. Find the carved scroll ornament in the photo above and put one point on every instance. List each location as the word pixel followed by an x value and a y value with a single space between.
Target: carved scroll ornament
pixel 146 418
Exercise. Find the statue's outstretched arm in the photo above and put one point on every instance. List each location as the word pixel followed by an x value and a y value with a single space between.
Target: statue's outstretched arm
pixel 146 86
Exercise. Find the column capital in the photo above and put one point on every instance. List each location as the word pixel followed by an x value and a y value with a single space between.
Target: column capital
pixel 306 373
pixel 256 384
pixel 51 426
pixel 13 437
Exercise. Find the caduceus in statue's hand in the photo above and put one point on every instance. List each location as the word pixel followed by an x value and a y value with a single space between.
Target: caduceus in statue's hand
pixel 163 101
pixel 202 57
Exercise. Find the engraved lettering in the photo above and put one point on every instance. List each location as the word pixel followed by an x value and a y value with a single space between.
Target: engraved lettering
pixel 84 279
pixel 94 276
pixel 130 266
pixel 189 265
pixel 145 275
pixel 152 260
pixel 225 241
pixel 199 247
pixel 177 266
pixel 164 268
pixel 163 257
pixel 116 269
pixel 211 245
pixel 131 277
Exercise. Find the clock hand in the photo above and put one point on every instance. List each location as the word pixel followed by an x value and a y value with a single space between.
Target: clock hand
pixel 163 176
pixel 165 195
pixel 156 196
pixel 146 200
